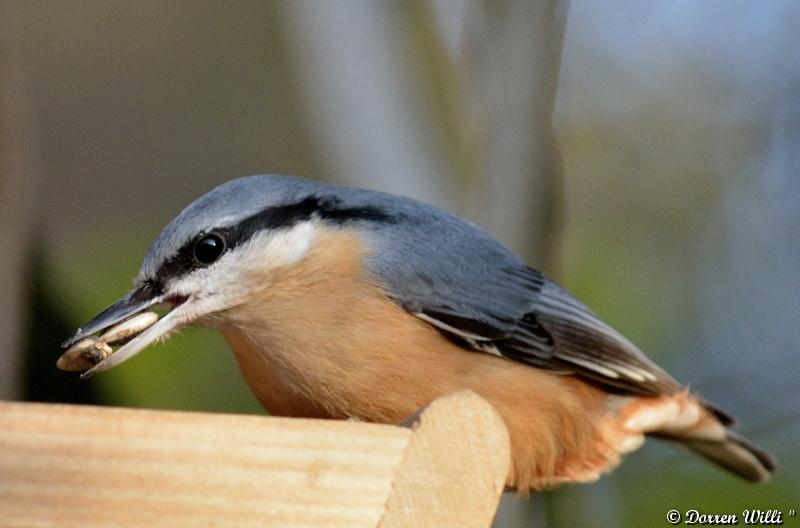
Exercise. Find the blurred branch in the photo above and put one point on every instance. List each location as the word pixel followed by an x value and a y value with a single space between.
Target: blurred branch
pixel 363 108
pixel 16 198
pixel 452 97
pixel 513 53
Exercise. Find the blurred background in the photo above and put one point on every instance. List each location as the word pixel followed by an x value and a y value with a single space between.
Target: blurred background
pixel 644 154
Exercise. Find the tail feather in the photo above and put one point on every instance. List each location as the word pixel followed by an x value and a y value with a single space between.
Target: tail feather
pixel 710 438
pixel 735 454
pixel 767 460
pixel 731 451
pixel 700 426
pixel 724 417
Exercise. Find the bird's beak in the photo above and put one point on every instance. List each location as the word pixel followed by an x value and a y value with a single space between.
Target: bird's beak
pixel 134 303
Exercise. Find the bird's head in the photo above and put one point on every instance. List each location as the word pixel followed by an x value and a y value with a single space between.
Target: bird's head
pixel 219 252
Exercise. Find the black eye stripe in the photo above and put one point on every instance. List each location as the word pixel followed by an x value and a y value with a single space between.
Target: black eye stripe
pixel 328 209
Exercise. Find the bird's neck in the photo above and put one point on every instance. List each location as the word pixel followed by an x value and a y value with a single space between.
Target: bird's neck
pixel 289 336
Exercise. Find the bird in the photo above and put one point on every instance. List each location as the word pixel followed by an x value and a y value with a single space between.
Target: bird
pixel 349 303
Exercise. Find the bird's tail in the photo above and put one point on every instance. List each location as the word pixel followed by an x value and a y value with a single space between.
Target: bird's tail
pixel 736 454
pixel 706 430
pixel 712 438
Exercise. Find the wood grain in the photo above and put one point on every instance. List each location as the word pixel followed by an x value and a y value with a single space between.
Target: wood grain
pixel 66 465
pixel 455 467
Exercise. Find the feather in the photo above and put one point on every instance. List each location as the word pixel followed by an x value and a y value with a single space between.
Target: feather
pixel 553 331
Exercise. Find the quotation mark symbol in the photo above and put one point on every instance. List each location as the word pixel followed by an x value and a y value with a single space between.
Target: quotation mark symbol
pixel 792 513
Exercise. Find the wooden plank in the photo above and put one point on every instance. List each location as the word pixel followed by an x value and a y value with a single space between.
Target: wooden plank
pixel 65 466
pixel 455 467
pixel 92 466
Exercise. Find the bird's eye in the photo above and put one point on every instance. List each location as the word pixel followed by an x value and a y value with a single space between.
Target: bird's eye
pixel 209 248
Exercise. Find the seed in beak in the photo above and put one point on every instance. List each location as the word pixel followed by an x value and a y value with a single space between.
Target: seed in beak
pixel 84 354
pixel 88 352
pixel 129 328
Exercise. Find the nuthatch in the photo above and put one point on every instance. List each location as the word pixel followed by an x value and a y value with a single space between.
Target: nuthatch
pixel 348 303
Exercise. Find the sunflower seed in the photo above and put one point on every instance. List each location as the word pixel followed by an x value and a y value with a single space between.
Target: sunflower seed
pixel 129 328
pixel 84 354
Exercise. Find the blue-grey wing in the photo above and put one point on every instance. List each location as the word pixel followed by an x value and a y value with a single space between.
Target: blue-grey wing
pixel 460 280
